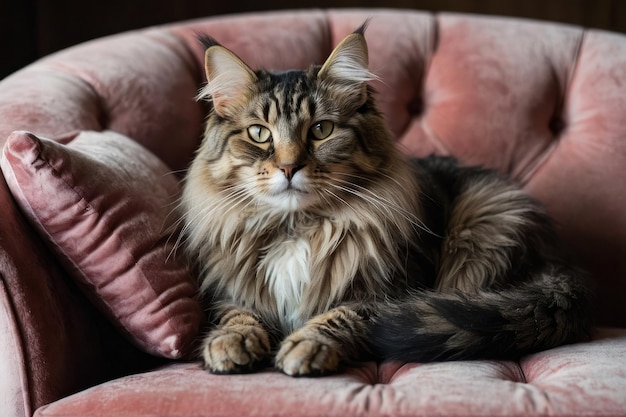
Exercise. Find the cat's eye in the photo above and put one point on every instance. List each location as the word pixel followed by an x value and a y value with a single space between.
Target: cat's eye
pixel 322 130
pixel 259 134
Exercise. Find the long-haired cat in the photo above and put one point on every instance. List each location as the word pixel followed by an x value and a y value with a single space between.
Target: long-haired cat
pixel 319 242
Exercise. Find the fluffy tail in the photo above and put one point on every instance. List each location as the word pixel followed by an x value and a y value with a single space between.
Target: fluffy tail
pixel 546 312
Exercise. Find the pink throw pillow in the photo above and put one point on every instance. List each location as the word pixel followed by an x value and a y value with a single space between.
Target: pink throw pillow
pixel 106 205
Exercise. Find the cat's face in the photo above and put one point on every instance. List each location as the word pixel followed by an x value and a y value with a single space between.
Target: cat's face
pixel 296 139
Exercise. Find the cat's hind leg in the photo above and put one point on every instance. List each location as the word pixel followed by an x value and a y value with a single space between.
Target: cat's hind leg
pixel 491 226
pixel 239 343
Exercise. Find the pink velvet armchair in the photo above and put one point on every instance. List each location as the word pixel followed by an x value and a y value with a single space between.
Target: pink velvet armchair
pixel 97 311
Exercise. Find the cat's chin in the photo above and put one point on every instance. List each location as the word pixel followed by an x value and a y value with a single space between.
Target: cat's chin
pixel 289 200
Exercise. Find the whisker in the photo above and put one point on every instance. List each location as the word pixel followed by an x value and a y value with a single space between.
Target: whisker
pixel 222 202
pixel 381 204
pixel 340 199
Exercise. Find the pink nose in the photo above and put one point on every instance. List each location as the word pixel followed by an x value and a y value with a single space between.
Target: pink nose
pixel 290 170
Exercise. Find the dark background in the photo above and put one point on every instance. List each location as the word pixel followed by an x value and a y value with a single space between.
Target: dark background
pixel 32 28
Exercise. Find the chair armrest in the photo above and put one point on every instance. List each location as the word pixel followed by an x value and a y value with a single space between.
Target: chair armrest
pixel 53 342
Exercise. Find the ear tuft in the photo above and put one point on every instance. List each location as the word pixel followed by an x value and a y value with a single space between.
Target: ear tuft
pixel 348 65
pixel 229 80
pixel 206 41
pixel 349 61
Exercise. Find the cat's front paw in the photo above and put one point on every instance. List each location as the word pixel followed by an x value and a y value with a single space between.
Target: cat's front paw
pixel 235 349
pixel 307 356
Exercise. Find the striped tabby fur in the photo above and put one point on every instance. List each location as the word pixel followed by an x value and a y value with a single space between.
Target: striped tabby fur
pixel 318 242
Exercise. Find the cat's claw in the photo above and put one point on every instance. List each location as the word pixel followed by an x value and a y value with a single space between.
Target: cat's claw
pixel 306 357
pixel 235 350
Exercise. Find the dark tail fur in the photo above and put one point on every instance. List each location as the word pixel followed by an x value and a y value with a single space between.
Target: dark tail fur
pixel 503 289
pixel 548 311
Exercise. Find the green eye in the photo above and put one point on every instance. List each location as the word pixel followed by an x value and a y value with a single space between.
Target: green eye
pixel 259 134
pixel 322 130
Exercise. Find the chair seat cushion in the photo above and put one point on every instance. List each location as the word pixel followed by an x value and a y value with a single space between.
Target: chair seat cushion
pixel 576 380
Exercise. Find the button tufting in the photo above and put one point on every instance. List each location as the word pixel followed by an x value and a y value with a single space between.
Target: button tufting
pixel 416 106
pixel 556 125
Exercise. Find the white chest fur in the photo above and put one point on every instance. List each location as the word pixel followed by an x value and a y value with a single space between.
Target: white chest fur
pixel 286 267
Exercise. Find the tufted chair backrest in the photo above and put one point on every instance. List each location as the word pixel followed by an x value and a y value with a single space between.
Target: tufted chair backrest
pixel 542 102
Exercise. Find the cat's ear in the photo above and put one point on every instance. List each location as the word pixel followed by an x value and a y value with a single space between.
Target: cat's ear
pixel 347 66
pixel 229 80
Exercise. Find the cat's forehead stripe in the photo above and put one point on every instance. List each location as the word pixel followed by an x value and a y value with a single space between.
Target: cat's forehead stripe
pixel 266 111
pixel 292 105
pixel 288 91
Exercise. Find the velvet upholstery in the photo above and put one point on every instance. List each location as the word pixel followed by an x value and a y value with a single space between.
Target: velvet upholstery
pixel 541 384
pixel 106 206
pixel 539 101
